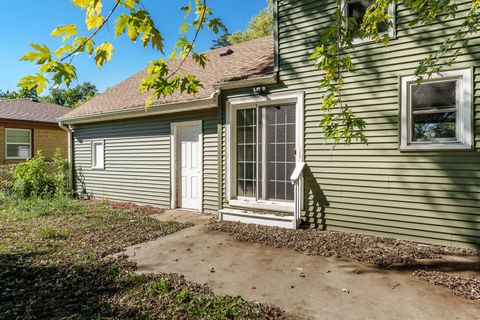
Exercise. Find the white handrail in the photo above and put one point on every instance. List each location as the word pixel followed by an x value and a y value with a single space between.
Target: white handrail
pixel 297 172
pixel 295 178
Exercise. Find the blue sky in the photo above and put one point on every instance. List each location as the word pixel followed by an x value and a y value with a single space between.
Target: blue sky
pixel 31 21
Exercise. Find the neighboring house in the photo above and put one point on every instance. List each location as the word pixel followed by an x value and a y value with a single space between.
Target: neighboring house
pixel 28 126
pixel 234 147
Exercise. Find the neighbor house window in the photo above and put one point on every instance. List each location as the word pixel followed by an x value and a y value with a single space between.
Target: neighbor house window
pixel 437 113
pixel 98 158
pixel 356 10
pixel 18 143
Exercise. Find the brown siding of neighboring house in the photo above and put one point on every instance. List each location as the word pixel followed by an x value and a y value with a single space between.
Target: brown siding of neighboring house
pixel 46 138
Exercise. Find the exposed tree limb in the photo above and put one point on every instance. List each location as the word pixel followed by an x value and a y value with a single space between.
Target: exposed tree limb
pixel 71 54
pixel 190 48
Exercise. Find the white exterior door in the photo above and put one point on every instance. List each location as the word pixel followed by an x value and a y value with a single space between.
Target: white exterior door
pixel 189 166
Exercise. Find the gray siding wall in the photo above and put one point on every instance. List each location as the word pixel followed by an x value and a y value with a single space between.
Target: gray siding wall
pixel 137 159
pixel 431 197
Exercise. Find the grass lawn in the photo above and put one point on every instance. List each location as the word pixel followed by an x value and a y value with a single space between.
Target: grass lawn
pixel 54 264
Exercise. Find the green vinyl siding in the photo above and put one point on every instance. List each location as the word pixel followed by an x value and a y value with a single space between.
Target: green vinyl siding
pixel 428 196
pixel 137 159
pixel 376 189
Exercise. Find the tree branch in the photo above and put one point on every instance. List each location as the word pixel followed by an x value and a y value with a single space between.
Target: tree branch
pixel 202 18
pixel 117 3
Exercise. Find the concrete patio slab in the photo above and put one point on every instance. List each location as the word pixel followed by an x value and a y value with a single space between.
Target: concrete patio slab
pixel 311 287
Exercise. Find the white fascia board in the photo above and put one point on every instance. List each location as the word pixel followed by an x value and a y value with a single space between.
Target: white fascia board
pixel 140 111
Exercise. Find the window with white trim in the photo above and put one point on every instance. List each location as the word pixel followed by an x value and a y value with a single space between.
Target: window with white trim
pixel 437 113
pixel 265 152
pixel 18 143
pixel 98 157
pixel 356 9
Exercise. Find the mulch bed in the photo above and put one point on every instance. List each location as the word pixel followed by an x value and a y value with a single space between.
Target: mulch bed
pixel 379 251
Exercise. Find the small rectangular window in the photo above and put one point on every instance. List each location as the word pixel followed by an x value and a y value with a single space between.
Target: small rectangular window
pixel 18 143
pixel 356 10
pixel 98 158
pixel 434 110
pixel 436 113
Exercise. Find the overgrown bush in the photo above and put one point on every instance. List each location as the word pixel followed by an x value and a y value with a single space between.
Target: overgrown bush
pixel 39 178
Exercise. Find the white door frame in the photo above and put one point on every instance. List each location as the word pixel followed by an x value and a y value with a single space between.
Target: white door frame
pixel 173 160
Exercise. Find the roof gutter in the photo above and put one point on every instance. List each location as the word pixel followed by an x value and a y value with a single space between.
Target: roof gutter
pixel 249 82
pixel 140 111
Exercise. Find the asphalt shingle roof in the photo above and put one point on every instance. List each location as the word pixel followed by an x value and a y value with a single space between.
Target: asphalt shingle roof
pixel 250 59
pixel 31 110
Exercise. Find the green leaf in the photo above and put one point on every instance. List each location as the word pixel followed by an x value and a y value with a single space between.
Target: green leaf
pixel 157 40
pixel 94 21
pixel 200 59
pixel 83 43
pixel 103 53
pixel 215 25
pixel 68 30
pixel 121 24
pixel 184 28
pixel 41 55
pixel 130 4
pixel 64 73
pixel 82 3
pixel 38 81
pixel 59 53
pixel 132 31
pixel 94 18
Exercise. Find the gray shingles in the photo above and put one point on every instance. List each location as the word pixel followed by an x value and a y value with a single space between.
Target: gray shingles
pixel 250 59
pixel 31 110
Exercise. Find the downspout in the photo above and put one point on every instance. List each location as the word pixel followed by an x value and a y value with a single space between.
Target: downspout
pixel 69 154
pixel 276 52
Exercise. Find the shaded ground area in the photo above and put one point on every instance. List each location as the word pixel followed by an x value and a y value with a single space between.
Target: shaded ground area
pixel 305 286
pixel 454 268
pixel 55 264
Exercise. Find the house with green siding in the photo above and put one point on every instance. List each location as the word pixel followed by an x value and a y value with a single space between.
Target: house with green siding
pixel 249 146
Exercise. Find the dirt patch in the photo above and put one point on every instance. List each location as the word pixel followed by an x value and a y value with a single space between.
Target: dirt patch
pixel 382 252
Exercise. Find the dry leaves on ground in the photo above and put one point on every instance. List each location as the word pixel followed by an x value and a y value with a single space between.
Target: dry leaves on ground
pixel 468 287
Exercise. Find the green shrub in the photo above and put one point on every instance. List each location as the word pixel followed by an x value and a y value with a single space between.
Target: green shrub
pixel 39 178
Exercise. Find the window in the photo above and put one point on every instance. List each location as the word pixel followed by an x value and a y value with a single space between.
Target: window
pixel 356 9
pixel 266 144
pixel 263 148
pixel 98 159
pixel 437 113
pixel 18 143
